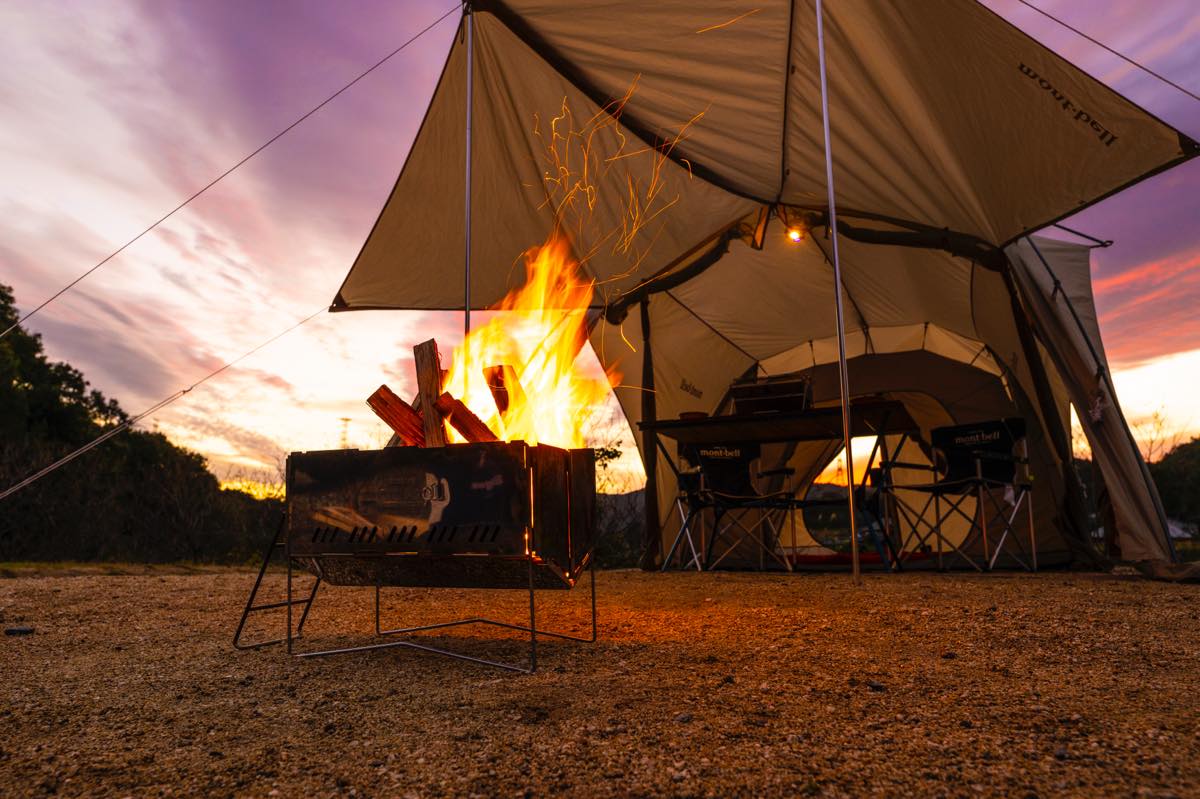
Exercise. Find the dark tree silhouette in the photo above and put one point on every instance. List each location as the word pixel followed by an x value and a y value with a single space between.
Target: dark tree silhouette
pixel 1177 475
pixel 136 497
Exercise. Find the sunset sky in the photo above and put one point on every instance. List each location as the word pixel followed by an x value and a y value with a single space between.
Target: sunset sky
pixel 114 111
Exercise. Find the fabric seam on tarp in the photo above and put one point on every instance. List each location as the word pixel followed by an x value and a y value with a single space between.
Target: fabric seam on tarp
pixel 709 325
pixel 788 69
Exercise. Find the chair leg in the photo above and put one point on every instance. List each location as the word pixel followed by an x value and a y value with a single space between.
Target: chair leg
pixel 1008 522
pixel 1032 537
pixel 981 514
pixel 937 515
pixel 678 538
pixel 915 519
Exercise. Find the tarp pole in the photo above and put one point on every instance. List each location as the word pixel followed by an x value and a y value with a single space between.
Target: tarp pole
pixel 843 369
pixel 652 532
pixel 467 194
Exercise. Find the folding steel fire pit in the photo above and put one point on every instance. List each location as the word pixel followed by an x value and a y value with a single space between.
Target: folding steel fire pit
pixel 479 515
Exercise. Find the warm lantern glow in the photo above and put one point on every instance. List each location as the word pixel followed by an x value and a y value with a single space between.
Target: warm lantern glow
pixel 795 234
pixel 539 331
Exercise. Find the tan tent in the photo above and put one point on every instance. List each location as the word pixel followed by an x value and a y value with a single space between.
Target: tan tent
pixel 677 143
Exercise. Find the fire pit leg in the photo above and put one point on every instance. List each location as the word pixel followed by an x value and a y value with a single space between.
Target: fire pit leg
pixel 592 579
pixel 287 553
pixel 276 543
pixel 532 620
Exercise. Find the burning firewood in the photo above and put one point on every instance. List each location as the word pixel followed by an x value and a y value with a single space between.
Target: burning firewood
pixel 462 419
pixel 395 440
pixel 398 415
pixel 429 388
pixel 506 389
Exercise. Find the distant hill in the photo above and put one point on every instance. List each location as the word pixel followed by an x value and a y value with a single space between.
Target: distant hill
pixel 137 497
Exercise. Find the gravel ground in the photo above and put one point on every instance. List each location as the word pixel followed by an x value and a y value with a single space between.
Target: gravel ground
pixel 701 685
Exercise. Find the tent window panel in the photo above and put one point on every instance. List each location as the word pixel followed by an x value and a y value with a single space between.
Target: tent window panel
pixel 829 524
pixel 834 472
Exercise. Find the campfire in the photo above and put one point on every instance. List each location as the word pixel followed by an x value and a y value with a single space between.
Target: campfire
pixel 516 378
pixel 486 482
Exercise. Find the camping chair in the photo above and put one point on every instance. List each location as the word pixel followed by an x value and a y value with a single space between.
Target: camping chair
pixel 720 481
pixel 987 462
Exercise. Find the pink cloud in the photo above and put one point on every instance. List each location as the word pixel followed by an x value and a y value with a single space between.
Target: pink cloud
pixel 1150 310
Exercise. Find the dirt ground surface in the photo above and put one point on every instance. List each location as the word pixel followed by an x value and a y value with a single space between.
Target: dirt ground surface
pixel 700 685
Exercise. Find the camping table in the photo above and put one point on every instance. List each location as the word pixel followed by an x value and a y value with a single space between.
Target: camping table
pixel 867 418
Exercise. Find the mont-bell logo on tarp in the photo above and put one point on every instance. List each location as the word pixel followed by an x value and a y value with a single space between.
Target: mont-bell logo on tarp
pixel 1078 114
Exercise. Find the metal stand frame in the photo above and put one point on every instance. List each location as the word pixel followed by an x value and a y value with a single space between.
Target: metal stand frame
pixel 980 522
pixel 295 629
pixel 684 534
pixel 276 544
pixel 915 518
pixel 772 507
pixel 531 629
pixel 738 531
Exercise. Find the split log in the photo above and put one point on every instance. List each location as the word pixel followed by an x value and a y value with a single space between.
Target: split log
pixel 462 419
pixel 429 388
pixel 395 440
pixel 398 415
pixel 506 389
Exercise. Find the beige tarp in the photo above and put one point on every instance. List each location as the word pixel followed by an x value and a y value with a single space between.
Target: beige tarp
pixel 672 138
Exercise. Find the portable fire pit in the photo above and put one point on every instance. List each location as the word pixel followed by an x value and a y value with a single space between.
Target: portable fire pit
pixel 493 515
pixel 483 514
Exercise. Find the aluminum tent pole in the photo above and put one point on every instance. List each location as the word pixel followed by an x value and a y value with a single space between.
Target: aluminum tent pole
pixel 843 370
pixel 467 31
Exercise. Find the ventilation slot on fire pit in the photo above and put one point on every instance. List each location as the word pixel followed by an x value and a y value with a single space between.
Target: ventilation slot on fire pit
pixel 442 533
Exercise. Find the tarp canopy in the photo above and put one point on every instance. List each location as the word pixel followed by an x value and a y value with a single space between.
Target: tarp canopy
pixel 675 143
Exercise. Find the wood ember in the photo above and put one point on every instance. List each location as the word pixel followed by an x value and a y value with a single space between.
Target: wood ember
pixel 462 419
pixel 397 414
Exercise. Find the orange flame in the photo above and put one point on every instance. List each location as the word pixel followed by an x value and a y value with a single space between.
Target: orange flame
pixel 539 331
